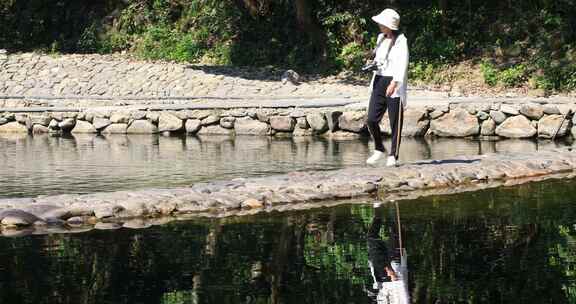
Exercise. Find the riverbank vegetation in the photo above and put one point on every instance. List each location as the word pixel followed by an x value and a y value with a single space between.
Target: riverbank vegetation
pixel 508 43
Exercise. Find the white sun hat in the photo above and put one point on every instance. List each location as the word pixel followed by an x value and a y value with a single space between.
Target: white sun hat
pixel 388 18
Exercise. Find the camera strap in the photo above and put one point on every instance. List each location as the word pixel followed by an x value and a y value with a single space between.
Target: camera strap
pixel 392 42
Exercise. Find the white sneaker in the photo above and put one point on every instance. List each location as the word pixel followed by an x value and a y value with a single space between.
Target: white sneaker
pixel 391 161
pixel 375 157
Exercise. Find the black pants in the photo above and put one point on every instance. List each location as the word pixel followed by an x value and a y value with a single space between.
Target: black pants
pixel 379 103
pixel 381 253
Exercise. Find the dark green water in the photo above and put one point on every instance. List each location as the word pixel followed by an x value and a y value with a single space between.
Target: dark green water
pixel 508 245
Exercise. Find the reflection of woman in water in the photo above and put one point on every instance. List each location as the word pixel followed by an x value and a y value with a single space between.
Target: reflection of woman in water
pixel 388 260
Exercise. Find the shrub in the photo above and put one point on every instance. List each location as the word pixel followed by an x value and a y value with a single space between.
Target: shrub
pixel 513 76
pixel 422 71
pixel 352 56
pixel 489 73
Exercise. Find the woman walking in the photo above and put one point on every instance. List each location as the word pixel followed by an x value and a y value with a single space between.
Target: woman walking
pixel 388 85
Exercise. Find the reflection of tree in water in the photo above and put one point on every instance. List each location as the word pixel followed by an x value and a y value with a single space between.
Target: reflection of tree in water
pixel 490 247
pixel 513 245
pixel 567 258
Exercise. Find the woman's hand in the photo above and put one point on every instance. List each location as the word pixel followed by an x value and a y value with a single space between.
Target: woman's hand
pixel 391 88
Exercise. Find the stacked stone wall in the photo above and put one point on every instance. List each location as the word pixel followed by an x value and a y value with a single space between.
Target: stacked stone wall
pixel 528 120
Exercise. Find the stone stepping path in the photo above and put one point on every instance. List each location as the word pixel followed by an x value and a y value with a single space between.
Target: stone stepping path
pixel 284 192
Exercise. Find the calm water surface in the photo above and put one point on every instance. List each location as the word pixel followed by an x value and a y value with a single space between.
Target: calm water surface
pixel 44 165
pixel 507 245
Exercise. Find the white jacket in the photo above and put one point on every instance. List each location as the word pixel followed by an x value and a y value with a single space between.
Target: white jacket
pixel 393 61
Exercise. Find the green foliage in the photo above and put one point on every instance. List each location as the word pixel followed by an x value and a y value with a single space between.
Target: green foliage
pixel 352 56
pixel 429 44
pixel 422 71
pixel 538 35
pixel 513 76
pixel 489 73
pixel 159 42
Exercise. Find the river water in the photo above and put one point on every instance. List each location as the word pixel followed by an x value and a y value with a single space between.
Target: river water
pixel 506 245
pixel 45 165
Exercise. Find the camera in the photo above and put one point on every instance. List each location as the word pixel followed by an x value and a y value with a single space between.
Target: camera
pixel 370 66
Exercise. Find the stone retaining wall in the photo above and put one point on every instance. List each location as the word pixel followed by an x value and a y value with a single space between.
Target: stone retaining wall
pixel 271 193
pixel 120 81
pixel 507 120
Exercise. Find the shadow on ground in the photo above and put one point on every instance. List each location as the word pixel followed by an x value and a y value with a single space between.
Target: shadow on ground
pixel 273 74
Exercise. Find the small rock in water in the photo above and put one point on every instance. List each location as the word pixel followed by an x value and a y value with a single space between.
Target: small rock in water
pixel 16 232
pixel 16 217
pixel 252 203
pixel 107 226
pixel 75 221
pixel 136 224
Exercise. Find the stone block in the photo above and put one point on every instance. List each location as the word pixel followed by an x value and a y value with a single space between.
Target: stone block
pixel 142 126
pixel 249 126
pixel 456 123
pixel 516 127
pixel 282 123
pixel 83 127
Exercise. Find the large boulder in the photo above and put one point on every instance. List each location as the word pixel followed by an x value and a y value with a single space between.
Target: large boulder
pixel 22 118
pixel 510 109
pixel 193 126
pixel 488 127
pixel 120 117
pixel 215 130
pixel 547 126
pixel 532 111
pixel 40 129
pixel 456 123
pixel 263 115
pixel 137 115
pixel 498 116
pixel 227 122
pixel 415 122
pixel 249 126
pixel 516 127
pixel 67 124
pixel 482 115
pixel 282 123
pixel 142 126
pixel 116 129
pixel 317 122
pixel 13 127
pixel 210 120
pixel 550 109
pixel 169 122
pixel 83 127
pixel 301 123
pixel 43 119
pixel 101 123
pixel 353 121
pixel 198 114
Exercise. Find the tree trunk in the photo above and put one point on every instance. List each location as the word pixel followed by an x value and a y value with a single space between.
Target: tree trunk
pixel 443 4
pixel 308 25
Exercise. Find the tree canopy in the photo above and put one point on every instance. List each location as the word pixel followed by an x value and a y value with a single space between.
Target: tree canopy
pixel 518 41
